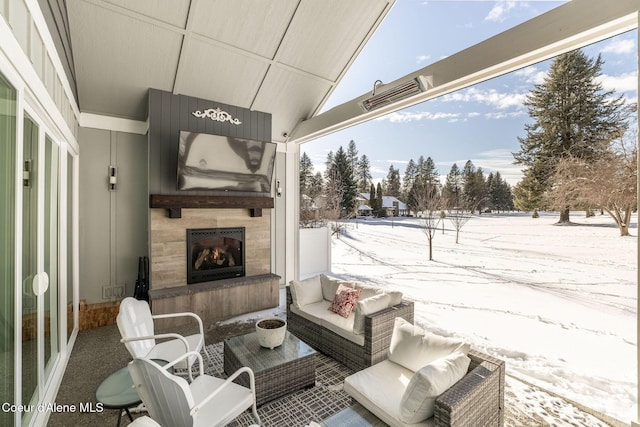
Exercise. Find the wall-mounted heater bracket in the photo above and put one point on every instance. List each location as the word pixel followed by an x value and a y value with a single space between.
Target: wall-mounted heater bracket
pixel 403 91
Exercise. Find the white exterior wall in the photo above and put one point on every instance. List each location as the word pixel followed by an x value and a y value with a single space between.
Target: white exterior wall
pixel 315 251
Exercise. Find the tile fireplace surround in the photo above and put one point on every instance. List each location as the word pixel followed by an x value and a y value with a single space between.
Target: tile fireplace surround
pixel 220 299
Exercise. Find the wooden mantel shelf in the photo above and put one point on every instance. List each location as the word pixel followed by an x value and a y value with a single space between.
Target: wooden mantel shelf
pixel 174 203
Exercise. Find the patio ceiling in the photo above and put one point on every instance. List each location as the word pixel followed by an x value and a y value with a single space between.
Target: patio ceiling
pixel 282 57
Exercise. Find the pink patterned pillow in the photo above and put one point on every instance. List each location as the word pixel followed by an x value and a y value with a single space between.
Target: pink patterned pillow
pixel 345 300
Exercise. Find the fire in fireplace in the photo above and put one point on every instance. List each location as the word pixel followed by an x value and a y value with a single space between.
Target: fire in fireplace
pixel 214 254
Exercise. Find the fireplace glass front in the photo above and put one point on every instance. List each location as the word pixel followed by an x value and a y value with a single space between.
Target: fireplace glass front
pixel 214 254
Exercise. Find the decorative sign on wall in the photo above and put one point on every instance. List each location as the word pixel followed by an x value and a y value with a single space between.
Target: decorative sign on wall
pixel 217 114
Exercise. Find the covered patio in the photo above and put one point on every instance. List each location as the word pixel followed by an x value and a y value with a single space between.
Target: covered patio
pixel 105 82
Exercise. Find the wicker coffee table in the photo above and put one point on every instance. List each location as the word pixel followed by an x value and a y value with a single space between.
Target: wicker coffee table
pixel 287 368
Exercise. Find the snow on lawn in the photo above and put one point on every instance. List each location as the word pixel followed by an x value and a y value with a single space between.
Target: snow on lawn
pixel 557 303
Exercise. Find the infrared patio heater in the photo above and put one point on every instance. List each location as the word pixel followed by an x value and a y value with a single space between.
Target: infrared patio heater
pixel 397 93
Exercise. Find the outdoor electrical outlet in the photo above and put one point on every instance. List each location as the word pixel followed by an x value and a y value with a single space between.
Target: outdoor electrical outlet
pixel 106 292
pixel 118 291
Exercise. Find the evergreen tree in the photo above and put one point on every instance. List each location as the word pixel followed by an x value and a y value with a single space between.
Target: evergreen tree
pixel 410 173
pixel 372 200
pixel 342 169
pixel 393 184
pixel 573 116
pixel 527 194
pixel 452 191
pixel 474 187
pixel 363 173
pixel 328 165
pixel 379 205
pixel 315 186
pixel 352 153
pixel 305 173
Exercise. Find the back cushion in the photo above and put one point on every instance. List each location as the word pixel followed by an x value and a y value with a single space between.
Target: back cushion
pixel 306 291
pixel 429 382
pixel 368 306
pixel 329 286
pixel 414 348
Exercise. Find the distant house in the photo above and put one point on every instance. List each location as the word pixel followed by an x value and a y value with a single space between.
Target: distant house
pixel 391 205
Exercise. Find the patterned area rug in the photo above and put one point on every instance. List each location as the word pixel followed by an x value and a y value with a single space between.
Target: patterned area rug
pixel 297 409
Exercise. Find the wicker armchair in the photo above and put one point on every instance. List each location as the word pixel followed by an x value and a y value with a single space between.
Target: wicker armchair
pixel 478 398
pixel 378 328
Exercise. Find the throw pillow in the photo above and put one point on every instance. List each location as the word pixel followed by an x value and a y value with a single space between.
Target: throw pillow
pixel 306 291
pixel 414 348
pixel 419 398
pixel 346 298
pixel 367 306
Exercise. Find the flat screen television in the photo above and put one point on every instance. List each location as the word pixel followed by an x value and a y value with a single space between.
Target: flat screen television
pixel 215 162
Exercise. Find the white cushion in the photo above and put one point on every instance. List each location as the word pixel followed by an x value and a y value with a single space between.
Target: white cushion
pixel 342 326
pixel 418 400
pixel 329 286
pixel 396 297
pixel 414 348
pixel 379 388
pixel 367 306
pixel 367 291
pixel 307 291
pixel 314 312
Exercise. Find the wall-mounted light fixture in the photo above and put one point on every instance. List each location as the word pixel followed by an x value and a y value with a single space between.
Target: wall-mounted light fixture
pixel 113 178
pixel 278 188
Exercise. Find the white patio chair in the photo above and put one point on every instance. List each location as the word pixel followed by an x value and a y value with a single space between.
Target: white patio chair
pixel 206 401
pixel 136 325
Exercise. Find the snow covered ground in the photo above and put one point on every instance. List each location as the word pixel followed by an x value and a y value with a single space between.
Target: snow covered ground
pixel 557 303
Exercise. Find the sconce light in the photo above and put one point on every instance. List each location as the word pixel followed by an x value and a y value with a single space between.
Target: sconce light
pixel 278 189
pixel 113 179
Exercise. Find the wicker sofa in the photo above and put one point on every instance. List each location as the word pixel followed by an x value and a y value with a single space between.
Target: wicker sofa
pixel 460 387
pixel 312 322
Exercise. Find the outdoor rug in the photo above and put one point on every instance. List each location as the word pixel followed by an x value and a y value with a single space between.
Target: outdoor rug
pixel 298 409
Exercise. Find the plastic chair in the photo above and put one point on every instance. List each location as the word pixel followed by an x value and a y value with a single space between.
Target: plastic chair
pixel 136 325
pixel 206 401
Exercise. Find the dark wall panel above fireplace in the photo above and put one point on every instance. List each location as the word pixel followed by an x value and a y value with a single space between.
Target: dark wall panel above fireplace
pixel 169 113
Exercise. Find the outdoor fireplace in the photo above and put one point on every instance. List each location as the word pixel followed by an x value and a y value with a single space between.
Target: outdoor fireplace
pixel 214 254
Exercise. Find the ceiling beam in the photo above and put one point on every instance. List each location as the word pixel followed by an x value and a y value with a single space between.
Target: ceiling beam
pixel 565 28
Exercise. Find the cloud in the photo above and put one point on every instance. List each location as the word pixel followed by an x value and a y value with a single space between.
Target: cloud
pixel 503 115
pixel 500 10
pixel 422 58
pixel 412 116
pixel 531 74
pixel 626 82
pixel 489 97
pixel 620 47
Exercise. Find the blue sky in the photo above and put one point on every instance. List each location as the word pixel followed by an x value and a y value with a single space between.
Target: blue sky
pixel 481 123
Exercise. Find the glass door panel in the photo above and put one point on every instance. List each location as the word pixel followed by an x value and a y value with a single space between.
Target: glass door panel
pixel 7 245
pixel 70 310
pixel 30 322
pixel 51 210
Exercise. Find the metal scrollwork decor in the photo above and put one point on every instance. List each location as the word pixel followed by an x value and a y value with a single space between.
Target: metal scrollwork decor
pixel 217 115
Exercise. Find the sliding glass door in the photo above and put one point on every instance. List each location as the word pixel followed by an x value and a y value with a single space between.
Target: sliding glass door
pixel 37 222
pixel 8 146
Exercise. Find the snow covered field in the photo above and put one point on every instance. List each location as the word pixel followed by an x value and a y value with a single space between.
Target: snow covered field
pixel 557 303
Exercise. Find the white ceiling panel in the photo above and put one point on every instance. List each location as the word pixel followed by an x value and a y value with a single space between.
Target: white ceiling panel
pixel 256 26
pixel 172 12
pixel 281 92
pixel 223 75
pixel 324 34
pixel 118 58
